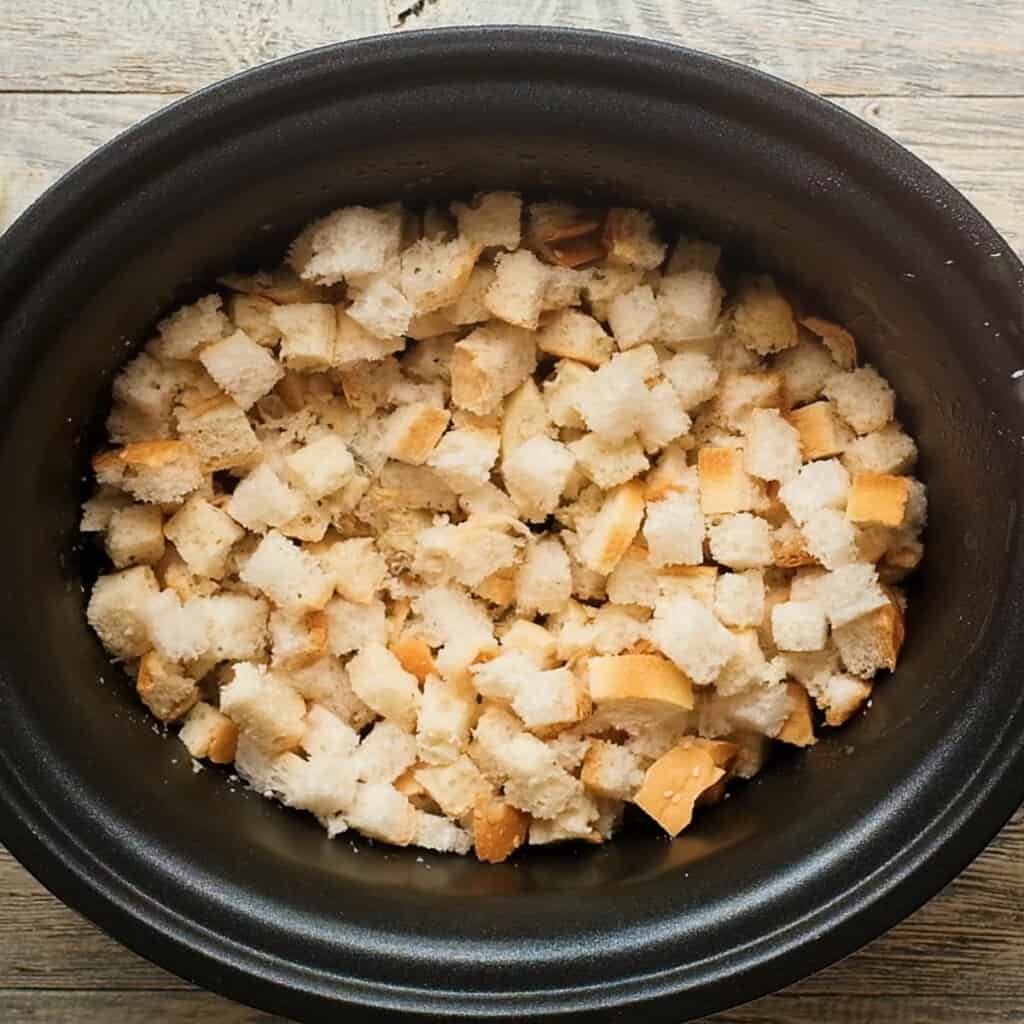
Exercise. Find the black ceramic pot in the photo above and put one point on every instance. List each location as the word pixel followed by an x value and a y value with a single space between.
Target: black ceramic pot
pixel 825 851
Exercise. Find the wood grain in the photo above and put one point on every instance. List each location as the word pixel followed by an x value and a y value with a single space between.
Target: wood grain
pixel 922 47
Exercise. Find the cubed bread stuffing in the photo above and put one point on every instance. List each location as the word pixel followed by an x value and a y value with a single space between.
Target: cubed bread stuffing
pixel 471 525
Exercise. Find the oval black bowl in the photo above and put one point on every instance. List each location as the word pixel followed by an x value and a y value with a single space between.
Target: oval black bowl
pixel 827 850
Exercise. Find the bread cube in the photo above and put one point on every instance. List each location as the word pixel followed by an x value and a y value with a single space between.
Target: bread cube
pixel 241 367
pixel 98 510
pixel 352 625
pixel 570 334
pixel 164 689
pixel 434 271
pixel 837 340
pixel 493 218
pixel 356 567
pixel 263 500
pixel 614 528
pixel 631 238
pixel 179 632
pixel 805 368
pixel 863 398
pixel 559 393
pixel 517 291
pixel 145 386
pixel 412 432
pixel 839 696
pixel 641 682
pixel 544 580
pixel 693 376
pixel 454 786
pixel 447 713
pixel 799 626
pixel 741 393
pixel 468 552
pixel 831 538
pixel 379 680
pixel 159 472
pixel 264 708
pixel 689 304
pixel 871 642
pixel 190 328
pixel 297 638
pixel 850 592
pixel 878 498
pixel 308 331
pixel 615 400
pixel 822 432
pixel 135 536
pixel 289 576
pixel 203 535
pixel 757 709
pixel 672 785
pixel 321 467
pixel 633 317
pixel 611 771
pixel 671 474
pixel 533 639
pixel 609 463
pixel 822 484
pixel 384 753
pixel 220 433
pixel 662 419
pixel 499 829
pixel 525 416
pixel 381 812
pixel 674 530
pixel 686 631
pixel 469 307
pixel 725 486
pixel 489 364
pixel 209 734
pixel 349 242
pixel 798 729
pixel 535 476
pixel 762 319
pixel 739 598
pixel 251 314
pixel 463 458
pixel 696 581
pixel 888 450
pixel 741 541
pixel 634 580
pixel 237 626
pixel 772 450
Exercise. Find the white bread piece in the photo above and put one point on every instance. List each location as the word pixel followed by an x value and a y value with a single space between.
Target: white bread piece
pixel 822 432
pixel 352 241
pixel 671 474
pixel 297 638
pixel 238 626
pixel 209 734
pixel 611 771
pixel 741 541
pixel 759 709
pixel 115 610
pixel 517 292
pixel 135 536
pixel 871 642
pixel 434 832
pixel 631 238
pixel 533 639
pixel 689 304
pixel 320 785
pixel 353 343
pixel 863 398
pixel 693 376
pixel 609 463
pixel 725 485
pixel 487 500
pixel 251 314
pixel 489 364
pixel 454 786
pixel 614 528
pixel 160 472
pixel 434 272
pixel 265 709
pixel 663 419
pixel 382 309
pixel 570 334
pixel 693 253
pixel 242 368
pixel 468 552
pixel 762 319
pixel 379 680
pixel 888 450
pixel 499 829
pixel 262 499
pixel 576 822
pixel 98 510
pixel 327 736
pixel 188 329
pixel 533 780
pixel 164 688
pixel 384 753
pixel 739 598
pixel 614 402
pixel 356 567
pixel 747 667
pixel 878 498
pixel 203 535
pixel 805 368
pixel 634 580
pixel 501 677
pixel 799 626
pixel 617 628
pixel 459 625
pixel 772 450
pixel 464 457
pixel 321 467
pixel 525 415
pixel 604 282
pixel 535 476
pixel 570 746
pixel 430 358
pixel 674 530
pixel 179 632
pixel 849 592
pixel 549 700
pixel 289 576
pixel 326 682
pixel 821 484
pixel 469 307
pixel 308 330
pixel 492 218
pixel 741 393
pixel 412 431
pixel 798 729
pixel 446 715
pixel 146 386
pixel 808 584
pixel 220 433
pixel 633 317
pixel 256 766
pixel 404 488
pixel 686 631
pixel 544 579
pixel 696 581
pixel 380 812
pixel 351 625
pixel 559 393
pixel 831 538
pixel 838 695
pixel 673 783
pixel 789 546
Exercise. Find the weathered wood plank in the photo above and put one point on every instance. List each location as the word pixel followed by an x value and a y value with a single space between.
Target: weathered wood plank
pixel 976 143
pixel 917 46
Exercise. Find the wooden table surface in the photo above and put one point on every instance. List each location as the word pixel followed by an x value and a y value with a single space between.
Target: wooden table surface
pixel 944 77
